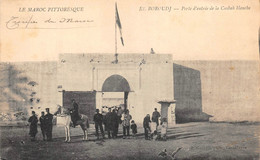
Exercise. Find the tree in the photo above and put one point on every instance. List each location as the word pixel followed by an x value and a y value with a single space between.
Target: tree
pixel 15 89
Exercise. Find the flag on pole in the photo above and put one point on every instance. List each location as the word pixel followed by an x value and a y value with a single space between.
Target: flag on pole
pixel 119 25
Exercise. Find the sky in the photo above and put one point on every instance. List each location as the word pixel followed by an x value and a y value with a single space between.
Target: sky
pixel 224 34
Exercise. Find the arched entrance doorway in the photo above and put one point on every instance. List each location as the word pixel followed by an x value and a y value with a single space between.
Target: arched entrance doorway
pixel 115 90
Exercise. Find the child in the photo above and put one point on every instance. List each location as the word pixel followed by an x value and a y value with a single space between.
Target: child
pixel 164 129
pixel 134 128
pixel 153 126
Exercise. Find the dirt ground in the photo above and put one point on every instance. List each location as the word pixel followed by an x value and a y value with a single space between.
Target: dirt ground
pixel 198 141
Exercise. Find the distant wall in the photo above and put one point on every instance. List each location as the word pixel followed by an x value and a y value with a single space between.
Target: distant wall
pixel 227 90
pixel 187 93
pixel 230 90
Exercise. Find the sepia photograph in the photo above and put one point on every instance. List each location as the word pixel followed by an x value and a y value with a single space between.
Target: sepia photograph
pixel 129 79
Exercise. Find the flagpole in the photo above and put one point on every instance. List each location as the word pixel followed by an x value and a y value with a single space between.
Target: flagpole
pixel 115 33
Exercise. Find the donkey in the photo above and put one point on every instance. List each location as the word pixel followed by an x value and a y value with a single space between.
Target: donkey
pixel 83 122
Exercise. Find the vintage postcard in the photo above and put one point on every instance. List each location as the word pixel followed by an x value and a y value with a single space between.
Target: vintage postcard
pixel 129 79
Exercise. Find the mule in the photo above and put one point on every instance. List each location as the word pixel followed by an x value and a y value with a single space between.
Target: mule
pixel 83 122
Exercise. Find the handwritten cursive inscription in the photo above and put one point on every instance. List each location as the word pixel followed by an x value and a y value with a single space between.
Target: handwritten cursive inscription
pixel 15 22
pixel 25 23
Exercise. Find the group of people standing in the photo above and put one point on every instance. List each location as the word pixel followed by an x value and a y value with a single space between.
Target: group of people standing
pixel 151 126
pixel 45 124
pixel 112 120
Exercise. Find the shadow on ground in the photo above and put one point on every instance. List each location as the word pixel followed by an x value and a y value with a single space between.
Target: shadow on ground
pixel 197 140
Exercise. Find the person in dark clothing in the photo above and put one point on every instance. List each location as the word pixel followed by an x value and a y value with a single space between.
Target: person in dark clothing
pixel 104 120
pixel 146 125
pixel 109 122
pixel 119 113
pixel 155 116
pixel 43 125
pixel 133 128
pixel 75 113
pixel 114 123
pixel 98 119
pixel 48 120
pixel 126 123
pixel 33 120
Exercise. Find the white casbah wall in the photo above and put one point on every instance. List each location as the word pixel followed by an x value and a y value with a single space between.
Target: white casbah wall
pixel 230 89
pixel 149 77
